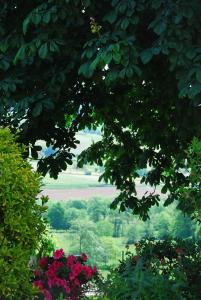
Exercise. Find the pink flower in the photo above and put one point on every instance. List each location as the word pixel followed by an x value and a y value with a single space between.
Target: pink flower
pixel 58 254
pixel 77 282
pixel 71 276
pixel 71 259
pixel 76 269
pixel 67 274
pixel 88 271
pixel 37 272
pixel 50 282
pixel 67 288
pixel 84 257
pixel 43 262
pixel 53 268
pixel 38 284
pixel 60 282
pixel 47 295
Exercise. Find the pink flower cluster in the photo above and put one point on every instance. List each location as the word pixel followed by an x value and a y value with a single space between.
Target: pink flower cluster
pixel 61 274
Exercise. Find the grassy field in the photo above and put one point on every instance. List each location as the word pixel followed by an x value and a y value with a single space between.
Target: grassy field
pixel 115 247
pixel 71 181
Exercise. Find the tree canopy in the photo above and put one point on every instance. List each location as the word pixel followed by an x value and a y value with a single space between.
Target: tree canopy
pixel 133 67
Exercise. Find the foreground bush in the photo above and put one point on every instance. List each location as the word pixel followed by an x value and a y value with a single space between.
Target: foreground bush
pixel 21 224
pixel 61 277
pixel 169 269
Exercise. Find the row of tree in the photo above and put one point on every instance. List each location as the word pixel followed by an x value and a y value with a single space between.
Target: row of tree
pixel 163 222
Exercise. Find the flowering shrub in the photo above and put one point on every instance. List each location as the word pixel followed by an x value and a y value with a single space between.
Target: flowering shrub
pixel 167 256
pixel 61 276
pixel 168 269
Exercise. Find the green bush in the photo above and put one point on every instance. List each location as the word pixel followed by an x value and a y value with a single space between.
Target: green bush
pixel 21 224
pixel 168 269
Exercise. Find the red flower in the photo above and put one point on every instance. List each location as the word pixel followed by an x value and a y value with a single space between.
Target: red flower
pixel 76 269
pixel 88 271
pixel 84 257
pixel 71 259
pixel 58 254
pixel 67 288
pixel 50 282
pixel 68 277
pixel 47 295
pixel 77 282
pixel 53 268
pixel 43 262
pixel 38 284
pixel 37 272
pixel 71 276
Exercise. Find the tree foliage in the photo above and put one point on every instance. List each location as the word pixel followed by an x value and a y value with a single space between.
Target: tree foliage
pixel 133 67
pixel 21 224
pixel 56 217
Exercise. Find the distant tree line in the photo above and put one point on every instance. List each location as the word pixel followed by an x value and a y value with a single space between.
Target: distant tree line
pixel 163 221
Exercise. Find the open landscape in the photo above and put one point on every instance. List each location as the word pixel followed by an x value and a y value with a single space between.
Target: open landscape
pixel 81 221
pixel 100 150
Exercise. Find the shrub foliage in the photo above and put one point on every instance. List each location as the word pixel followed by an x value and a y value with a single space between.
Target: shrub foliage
pixel 168 269
pixel 21 224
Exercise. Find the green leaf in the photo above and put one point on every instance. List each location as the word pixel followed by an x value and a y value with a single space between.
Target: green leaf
pixel 43 51
pixel 198 75
pixel 146 56
pixel 122 7
pixel 137 70
pixel 49 104
pixel 12 87
pixel 124 23
pixel 156 3
pixel 110 17
pixel 54 47
pixel 156 50
pixel 46 18
pixel 25 24
pixel 129 72
pixel 37 43
pixel 37 109
pixel 122 73
pixel 94 64
pixel 20 54
pixel 86 70
pixel 164 189
pixel 4 65
pixel 36 18
pixel 160 28
pixel 168 201
pixel 87 3
pixel 178 19
pixel 111 76
pixel 195 89
pixel 117 57
pixel 187 11
pixel 114 2
pixel 3 46
pixel 89 53
pixel 191 53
